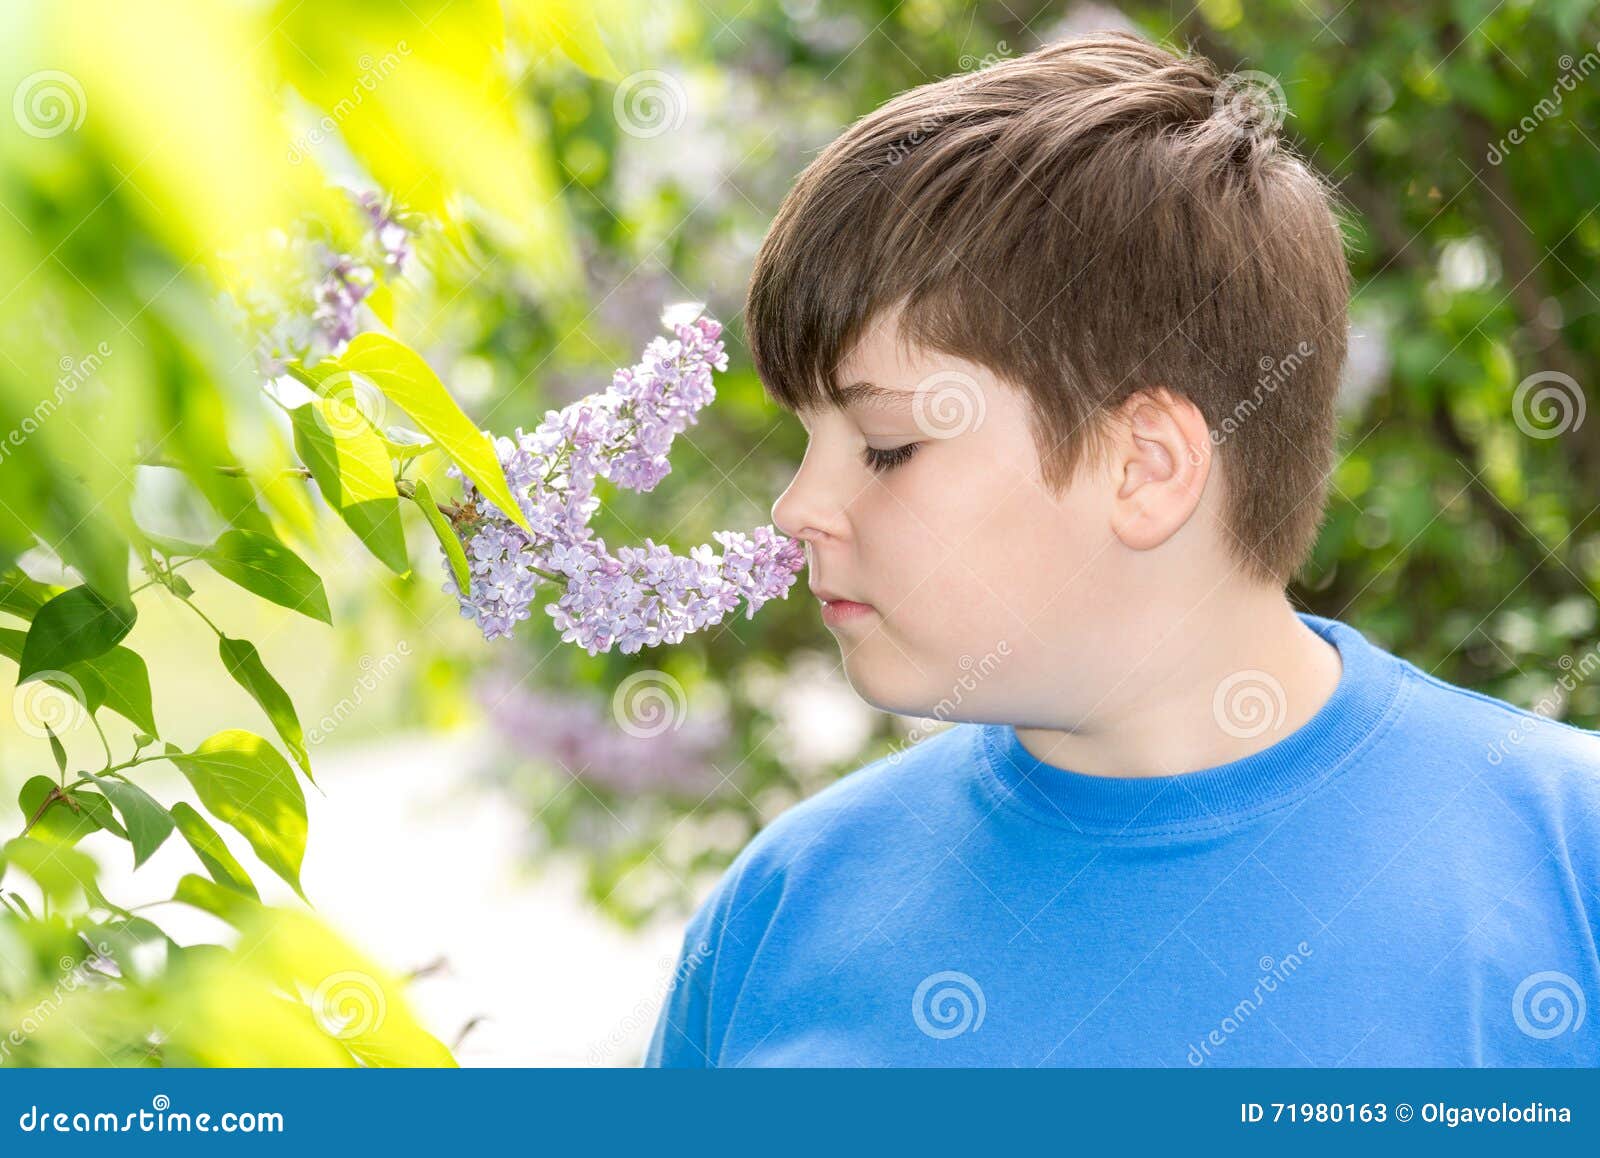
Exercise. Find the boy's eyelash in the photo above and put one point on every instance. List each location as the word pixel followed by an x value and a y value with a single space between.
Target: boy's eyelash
pixel 880 461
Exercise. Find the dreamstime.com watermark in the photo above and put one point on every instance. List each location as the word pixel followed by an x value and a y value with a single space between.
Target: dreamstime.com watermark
pixel 74 373
pixel 649 103
pixel 348 1004
pixel 1273 973
pixel 948 1004
pixel 48 103
pixel 160 1118
pixel 649 703
pixel 970 67
pixel 372 71
pixel 1548 1004
pixel 1274 373
pixel 974 672
pixel 647 1009
pixel 1574 671
pixel 1573 73
pixel 74 976
pixel 375 672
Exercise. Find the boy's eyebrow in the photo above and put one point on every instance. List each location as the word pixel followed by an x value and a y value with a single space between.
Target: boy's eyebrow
pixel 868 394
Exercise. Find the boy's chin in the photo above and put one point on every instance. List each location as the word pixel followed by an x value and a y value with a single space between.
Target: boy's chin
pixel 891 684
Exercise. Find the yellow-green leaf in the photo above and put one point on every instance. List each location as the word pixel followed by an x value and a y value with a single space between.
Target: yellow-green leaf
pixel 449 541
pixel 353 471
pixel 207 843
pixel 244 664
pixel 243 781
pixel 411 384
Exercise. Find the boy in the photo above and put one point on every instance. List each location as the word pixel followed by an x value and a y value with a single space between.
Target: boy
pixel 1065 335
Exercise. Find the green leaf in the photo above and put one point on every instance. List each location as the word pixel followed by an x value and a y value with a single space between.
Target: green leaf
pixel 265 567
pixel 64 821
pixel 98 807
pixel 57 750
pixel 22 596
pixel 353 471
pixel 169 546
pixel 244 664
pixel 446 534
pixel 75 625
pixel 212 898
pixel 243 781
pixel 213 853
pixel 126 685
pixel 59 871
pixel 117 680
pixel 149 824
pixel 410 383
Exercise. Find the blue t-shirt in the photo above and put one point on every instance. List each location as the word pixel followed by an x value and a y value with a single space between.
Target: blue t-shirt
pixel 1412 878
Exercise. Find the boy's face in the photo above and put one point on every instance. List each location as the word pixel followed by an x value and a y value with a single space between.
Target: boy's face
pixel 985 589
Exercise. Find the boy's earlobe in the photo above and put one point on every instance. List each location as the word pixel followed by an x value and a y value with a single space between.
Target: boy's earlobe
pixel 1162 461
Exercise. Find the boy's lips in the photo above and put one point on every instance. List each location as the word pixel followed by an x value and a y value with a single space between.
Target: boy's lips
pixel 837 609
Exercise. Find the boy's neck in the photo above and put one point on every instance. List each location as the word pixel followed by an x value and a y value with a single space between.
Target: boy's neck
pixel 1253 676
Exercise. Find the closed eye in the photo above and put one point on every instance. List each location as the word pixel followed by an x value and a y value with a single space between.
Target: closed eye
pixel 880 461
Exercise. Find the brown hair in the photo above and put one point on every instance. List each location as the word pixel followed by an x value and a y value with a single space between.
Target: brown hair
pixel 1095 217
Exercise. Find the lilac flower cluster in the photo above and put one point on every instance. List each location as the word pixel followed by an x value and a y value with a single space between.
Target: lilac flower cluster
pixel 335 284
pixel 349 280
pixel 638 596
pixel 574 734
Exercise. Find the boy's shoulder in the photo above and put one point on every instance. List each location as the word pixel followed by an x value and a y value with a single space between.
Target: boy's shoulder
pixel 1499 733
pixel 1545 770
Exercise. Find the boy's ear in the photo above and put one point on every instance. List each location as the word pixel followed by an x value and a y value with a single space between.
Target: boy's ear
pixel 1160 460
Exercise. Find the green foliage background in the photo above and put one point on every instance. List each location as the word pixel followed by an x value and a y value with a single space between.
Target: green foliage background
pixel 579 166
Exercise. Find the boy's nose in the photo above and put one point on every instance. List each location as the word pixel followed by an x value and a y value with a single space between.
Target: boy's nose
pixel 810 507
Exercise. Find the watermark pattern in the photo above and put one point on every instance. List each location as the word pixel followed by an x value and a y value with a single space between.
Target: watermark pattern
pixel 74 373
pixel 1572 74
pixel 1545 711
pixel 649 103
pixel 1274 373
pixel 974 672
pixel 372 71
pixel 1248 703
pixel 75 975
pixel 1273 973
pixel 1250 103
pixel 644 1013
pixel 49 103
pixel 649 703
pixel 351 405
pixel 948 403
pixel 1548 1004
pixel 971 66
pixel 50 702
pixel 1547 404
pixel 948 1004
pixel 375 672
pixel 349 1003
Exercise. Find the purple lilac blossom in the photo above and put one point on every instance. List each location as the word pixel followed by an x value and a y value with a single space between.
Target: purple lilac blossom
pixel 639 596
pixel 342 282
pixel 574 734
